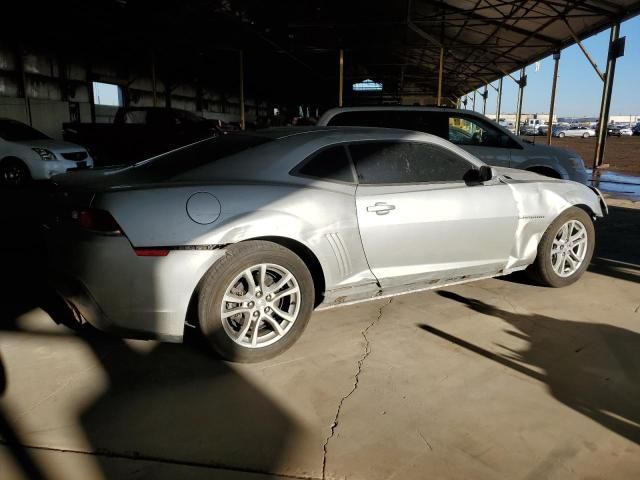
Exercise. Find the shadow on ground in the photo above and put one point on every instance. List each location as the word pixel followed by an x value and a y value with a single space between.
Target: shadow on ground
pixel 593 368
pixel 174 403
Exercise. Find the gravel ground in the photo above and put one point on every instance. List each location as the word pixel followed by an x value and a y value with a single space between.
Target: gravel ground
pixel 622 153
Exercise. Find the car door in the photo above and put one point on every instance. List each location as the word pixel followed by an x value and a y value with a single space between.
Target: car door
pixel 420 223
pixel 481 139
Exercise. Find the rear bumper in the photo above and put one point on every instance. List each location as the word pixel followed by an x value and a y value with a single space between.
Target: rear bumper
pixel 117 291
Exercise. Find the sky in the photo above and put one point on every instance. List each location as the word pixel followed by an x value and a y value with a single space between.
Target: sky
pixel 579 89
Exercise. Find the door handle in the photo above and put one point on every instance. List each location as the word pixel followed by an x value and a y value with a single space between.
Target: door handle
pixel 381 208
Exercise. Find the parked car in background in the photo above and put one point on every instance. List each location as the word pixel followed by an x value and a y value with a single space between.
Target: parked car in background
pixel 636 129
pixel 528 130
pixel 584 132
pixel 508 125
pixel 254 231
pixel 626 131
pixel 28 154
pixel 141 132
pixel 614 131
pixel 471 131
pixel 543 129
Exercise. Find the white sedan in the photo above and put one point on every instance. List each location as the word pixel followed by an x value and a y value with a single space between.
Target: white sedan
pixel 626 131
pixel 584 132
pixel 28 154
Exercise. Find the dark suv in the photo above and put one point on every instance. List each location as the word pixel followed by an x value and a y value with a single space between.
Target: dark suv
pixel 472 131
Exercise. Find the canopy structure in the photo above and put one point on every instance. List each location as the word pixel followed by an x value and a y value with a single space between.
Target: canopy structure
pixel 399 43
pixel 291 46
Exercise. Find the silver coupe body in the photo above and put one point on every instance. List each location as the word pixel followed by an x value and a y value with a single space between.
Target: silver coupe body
pixel 369 212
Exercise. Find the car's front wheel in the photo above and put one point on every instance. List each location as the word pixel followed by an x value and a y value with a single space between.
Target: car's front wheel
pixel 14 173
pixel 585 135
pixel 256 301
pixel 566 248
pixel 561 135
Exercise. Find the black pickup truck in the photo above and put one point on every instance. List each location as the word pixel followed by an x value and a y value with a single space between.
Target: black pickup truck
pixel 140 132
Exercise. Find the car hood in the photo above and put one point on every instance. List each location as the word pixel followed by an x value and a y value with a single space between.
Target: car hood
pixel 53 145
pixel 522 175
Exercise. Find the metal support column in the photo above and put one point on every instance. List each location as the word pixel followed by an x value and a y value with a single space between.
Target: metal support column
pixel 341 79
pixel 499 101
pixel 474 100
pixel 24 87
pixel 242 120
pixel 154 86
pixel 616 49
pixel 440 74
pixel 556 58
pixel 92 99
pixel 522 82
pixel 485 94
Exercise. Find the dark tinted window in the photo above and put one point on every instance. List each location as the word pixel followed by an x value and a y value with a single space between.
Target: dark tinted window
pixel 405 162
pixel 426 121
pixel 13 131
pixel 329 164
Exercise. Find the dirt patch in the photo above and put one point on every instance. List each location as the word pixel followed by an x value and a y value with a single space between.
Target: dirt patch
pixel 621 153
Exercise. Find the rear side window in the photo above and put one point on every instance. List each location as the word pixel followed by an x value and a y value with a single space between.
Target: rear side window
pixel 329 164
pixel 406 162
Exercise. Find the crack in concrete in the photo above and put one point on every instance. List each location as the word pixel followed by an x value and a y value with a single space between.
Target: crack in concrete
pixel 356 381
pixel 425 440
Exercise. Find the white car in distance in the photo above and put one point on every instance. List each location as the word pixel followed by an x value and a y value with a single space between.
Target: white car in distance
pixel 27 154
pixel 584 132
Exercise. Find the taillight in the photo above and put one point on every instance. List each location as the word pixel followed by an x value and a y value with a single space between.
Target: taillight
pixel 99 221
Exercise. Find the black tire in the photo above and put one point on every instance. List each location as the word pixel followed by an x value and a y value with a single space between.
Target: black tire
pixel 585 135
pixel 14 173
pixel 542 269
pixel 240 257
pixel 561 135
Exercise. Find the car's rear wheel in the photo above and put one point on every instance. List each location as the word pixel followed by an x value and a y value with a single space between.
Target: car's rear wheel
pixel 14 173
pixel 256 301
pixel 561 135
pixel 585 135
pixel 565 250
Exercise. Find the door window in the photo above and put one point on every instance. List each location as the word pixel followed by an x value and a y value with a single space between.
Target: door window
pixel 470 131
pixel 406 162
pixel 329 164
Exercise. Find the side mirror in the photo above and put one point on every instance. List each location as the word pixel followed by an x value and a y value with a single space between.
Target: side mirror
pixel 485 173
pixel 476 176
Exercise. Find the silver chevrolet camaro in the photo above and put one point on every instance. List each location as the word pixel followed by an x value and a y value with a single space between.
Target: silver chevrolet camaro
pixel 246 234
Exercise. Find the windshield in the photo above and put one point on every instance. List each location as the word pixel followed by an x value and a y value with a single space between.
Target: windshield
pixel 182 160
pixel 13 131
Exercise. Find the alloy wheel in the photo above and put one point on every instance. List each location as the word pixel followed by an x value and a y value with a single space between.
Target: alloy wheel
pixel 260 305
pixel 569 248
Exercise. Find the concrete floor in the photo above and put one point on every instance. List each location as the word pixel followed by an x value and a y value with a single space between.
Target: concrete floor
pixel 496 379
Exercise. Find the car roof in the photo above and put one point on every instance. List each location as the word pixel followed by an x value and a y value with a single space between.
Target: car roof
pixel 403 108
pixel 278 133
pixel 273 160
